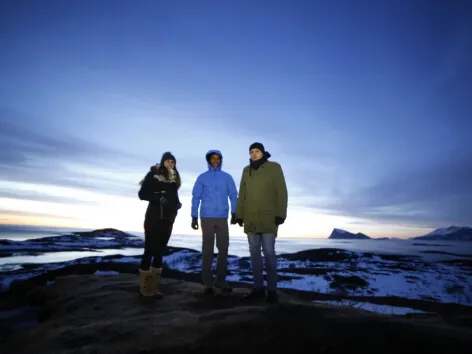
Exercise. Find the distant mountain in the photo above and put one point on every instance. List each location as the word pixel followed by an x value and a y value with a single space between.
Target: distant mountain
pixel 339 234
pixel 451 233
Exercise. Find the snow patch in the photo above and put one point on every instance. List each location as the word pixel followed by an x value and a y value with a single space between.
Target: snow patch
pixel 106 272
pixel 368 306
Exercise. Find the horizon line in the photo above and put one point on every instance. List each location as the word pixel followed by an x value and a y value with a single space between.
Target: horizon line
pixel 183 234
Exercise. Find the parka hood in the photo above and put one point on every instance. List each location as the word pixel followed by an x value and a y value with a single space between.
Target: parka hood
pixel 207 157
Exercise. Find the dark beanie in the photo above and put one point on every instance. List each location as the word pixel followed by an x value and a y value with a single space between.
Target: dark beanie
pixel 258 146
pixel 168 156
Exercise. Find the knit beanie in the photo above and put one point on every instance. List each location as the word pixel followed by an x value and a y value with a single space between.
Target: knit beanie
pixel 258 146
pixel 168 156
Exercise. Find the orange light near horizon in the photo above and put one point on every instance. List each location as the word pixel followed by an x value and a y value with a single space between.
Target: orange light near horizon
pixel 127 214
pixel 16 219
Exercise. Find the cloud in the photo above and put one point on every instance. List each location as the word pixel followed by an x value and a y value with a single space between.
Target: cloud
pixel 22 141
pixel 34 154
pixel 38 196
pixel 76 181
pixel 429 196
pixel 15 213
pixel 37 154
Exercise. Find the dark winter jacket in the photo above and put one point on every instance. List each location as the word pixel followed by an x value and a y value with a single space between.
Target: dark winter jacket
pixel 262 198
pixel 162 195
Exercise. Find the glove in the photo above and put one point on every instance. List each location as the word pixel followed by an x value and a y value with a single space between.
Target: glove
pixel 239 221
pixel 195 223
pixel 163 201
pixel 179 206
pixel 233 219
pixel 160 195
pixel 279 220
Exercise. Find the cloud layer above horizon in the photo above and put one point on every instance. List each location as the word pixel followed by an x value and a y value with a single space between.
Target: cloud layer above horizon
pixel 370 121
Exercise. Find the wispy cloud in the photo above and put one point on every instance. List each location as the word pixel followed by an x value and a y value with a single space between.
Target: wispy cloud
pixel 40 157
pixel 428 196
pixel 20 144
pixel 38 196
pixel 15 213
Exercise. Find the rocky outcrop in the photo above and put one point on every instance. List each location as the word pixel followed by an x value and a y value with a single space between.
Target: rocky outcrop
pixel 105 314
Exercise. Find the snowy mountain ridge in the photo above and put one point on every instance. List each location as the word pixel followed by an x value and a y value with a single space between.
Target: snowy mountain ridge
pixel 457 233
pixel 450 233
pixel 449 230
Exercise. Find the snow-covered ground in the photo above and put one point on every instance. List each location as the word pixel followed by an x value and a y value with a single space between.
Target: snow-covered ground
pixel 355 274
pixel 367 306
pixel 326 271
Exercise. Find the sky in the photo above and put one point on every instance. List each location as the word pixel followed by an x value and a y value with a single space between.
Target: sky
pixel 367 105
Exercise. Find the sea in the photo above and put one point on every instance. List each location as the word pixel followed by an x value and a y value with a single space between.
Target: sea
pixel 430 250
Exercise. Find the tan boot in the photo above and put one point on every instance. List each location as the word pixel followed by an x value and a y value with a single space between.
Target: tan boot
pixel 156 278
pixel 146 282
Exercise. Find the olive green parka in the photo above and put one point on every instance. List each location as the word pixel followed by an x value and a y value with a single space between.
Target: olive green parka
pixel 262 196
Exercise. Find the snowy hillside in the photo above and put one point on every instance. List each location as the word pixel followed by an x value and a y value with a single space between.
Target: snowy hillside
pixel 455 233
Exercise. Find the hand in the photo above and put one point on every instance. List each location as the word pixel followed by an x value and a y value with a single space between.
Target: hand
pixel 279 220
pixel 239 221
pixel 233 219
pixel 195 223
pixel 179 205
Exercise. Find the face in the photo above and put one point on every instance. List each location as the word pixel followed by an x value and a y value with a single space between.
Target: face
pixel 256 154
pixel 169 164
pixel 215 160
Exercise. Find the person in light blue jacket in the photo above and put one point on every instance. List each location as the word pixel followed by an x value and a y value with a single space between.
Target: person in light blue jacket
pixel 210 194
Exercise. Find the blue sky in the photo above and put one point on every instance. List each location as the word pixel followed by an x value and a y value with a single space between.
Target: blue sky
pixel 366 104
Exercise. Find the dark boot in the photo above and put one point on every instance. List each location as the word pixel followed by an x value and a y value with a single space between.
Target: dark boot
pixel 272 297
pixel 207 291
pixel 254 295
pixel 222 288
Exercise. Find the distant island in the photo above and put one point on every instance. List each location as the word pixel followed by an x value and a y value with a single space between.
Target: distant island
pixel 339 234
pixel 451 233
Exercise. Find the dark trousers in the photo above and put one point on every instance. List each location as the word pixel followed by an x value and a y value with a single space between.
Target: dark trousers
pixel 266 242
pixel 156 238
pixel 212 227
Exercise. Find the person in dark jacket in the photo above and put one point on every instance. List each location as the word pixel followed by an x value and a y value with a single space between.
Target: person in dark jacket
pixel 210 194
pixel 262 208
pixel 160 188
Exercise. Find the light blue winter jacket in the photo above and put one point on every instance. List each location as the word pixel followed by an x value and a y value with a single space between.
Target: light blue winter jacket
pixel 211 191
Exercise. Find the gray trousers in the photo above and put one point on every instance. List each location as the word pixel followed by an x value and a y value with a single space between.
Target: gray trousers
pixel 267 243
pixel 212 227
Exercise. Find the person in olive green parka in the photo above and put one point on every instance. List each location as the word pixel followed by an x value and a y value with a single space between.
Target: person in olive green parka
pixel 261 208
